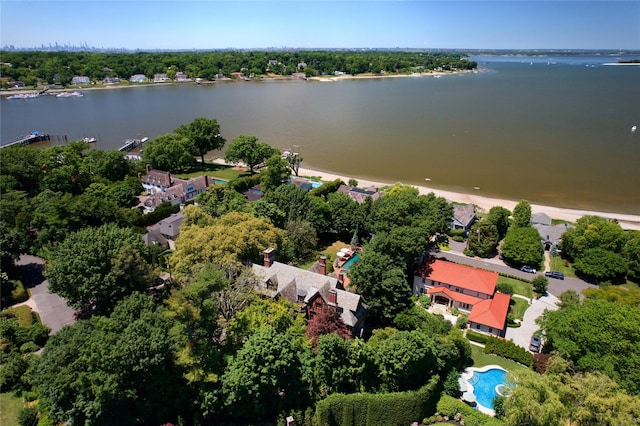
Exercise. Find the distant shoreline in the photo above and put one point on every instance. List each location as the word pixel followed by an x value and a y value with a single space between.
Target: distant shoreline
pixel 436 74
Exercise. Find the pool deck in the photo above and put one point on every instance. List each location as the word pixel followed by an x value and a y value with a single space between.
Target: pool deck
pixel 465 378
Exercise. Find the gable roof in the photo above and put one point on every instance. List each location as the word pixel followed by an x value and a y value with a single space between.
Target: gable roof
pixel 358 194
pixel 491 312
pixel 292 282
pixel 464 214
pixel 540 218
pixel 462 276
pixel 552 233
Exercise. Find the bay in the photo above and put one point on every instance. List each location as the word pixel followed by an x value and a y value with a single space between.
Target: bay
pixel 552 130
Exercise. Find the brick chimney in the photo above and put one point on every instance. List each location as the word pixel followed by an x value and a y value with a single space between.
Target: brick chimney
pixel 323 265
pixel 269 257
pixel 332 296
pixel 341 277
pixel 148 168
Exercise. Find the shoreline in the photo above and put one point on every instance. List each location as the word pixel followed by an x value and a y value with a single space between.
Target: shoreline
pixel 327 78
pixel 626 221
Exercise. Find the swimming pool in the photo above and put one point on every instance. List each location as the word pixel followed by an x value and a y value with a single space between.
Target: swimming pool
pixel 349 263
pixel 484 384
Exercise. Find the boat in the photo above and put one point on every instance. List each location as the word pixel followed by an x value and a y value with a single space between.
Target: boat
pixel 89 140
pixel 130 144
pixel 75 94
pixel 24 96
pixel 634 128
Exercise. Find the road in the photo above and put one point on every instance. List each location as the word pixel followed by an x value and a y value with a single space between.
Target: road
pixel 54 311
pixel 556 287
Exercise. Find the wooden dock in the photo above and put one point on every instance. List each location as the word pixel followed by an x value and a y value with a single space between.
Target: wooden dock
pixel 36 137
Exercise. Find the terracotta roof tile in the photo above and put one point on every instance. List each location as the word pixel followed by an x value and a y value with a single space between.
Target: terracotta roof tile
pixel 491 312
pixel 466 277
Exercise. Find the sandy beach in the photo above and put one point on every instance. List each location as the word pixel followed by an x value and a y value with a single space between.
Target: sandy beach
pixel 626 221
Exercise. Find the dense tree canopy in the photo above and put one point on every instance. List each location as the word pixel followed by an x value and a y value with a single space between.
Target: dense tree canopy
pixel 522 214
pixel 95 268
pixel 522 246
pixel 112 370
pixel 204 135
pixel 597 335
pixel 248 150
pixel 169 152
pixel 483 239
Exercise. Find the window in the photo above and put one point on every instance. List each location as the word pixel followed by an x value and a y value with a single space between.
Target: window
pixel 424 280
pixel 490 330
pixel 477 326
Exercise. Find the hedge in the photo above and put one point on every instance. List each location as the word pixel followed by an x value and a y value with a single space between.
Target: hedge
pixel 449 406
pixel 477 337
pixel 508 349
pixel 242 184
pixel 363 409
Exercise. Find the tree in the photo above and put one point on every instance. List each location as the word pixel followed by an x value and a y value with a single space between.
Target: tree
pixel 294 160
pixel 522 246
pixel 522 214
pixel 112 370
pixel 499 216
pixel 232 238
pixel 264 378
pixel 326 322
pixel 601 264
pixel 597 335
pixel 248 150
pixel 334 369
pixel 567 298
pixel 592 232
pixel 303 238
pixel 540 284
pixel 275 174
pixel 383 287
pixel 93 269
pixel 169 152
pixel 483 239
pixel 204 134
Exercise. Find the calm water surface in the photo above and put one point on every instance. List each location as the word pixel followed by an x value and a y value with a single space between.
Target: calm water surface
pixel 551 130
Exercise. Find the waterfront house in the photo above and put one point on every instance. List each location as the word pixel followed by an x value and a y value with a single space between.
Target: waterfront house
pixel 111 80
pixel 138 78
pixel 80 80
pixel 359 195
pixel 470 290
pixel 160 78
pixel 15 84
pixel 463 217
pixel 164 187
pixel 312 291
pixel 181 77
pixel 238 75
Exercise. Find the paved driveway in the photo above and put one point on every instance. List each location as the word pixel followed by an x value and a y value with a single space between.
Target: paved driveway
pixel 521 336
pixel 54 311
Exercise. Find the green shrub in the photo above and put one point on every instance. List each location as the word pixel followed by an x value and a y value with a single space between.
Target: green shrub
pixel 28 416
pixel 29 347
pixel 19 294
pixel 22 313
pixel 509 350
pixel 456 233
pixel 461 322
pixel 454 408
pixel 424 301
pixel 477 337
pixel 399 408
pixel 458 238
pixel 241 184
pixel 505 288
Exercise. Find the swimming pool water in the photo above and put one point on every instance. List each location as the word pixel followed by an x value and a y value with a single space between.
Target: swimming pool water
pixel 484 385
pixel 349 263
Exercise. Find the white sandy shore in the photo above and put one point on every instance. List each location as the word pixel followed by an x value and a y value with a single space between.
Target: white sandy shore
pixel 626 221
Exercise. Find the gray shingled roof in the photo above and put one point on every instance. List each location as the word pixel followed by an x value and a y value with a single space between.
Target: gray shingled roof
pixel 464 214
pixel 541 218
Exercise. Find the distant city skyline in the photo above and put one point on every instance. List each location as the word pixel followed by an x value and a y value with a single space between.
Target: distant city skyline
pixel 208 24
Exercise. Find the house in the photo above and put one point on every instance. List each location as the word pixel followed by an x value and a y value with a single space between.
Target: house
pixel 163 187
pixel 181 77
pixel 80 79
pixel 111 80
pixel 551 235
pixel 138 78
pixel 165 232
pixel 312 291
pixel 303 183
pixel 301 65
pixel 359 195
pixel 470 290
pixel 238 75
pixel 540 218
pixel 15 84
pixel 463 216
pixel 160 78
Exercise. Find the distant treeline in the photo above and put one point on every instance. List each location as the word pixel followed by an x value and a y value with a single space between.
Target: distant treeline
pixel 61 67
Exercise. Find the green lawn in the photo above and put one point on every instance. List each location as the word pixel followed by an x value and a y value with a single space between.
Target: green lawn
pixel 212 169
pixel 519 287
pixel 558 264
pixel 329 251
pixel 518 307
pixel 480 359
pixel 10 407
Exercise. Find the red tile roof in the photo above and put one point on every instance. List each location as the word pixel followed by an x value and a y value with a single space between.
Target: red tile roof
pixel 466 277
pixel 491 312
pixel 458 297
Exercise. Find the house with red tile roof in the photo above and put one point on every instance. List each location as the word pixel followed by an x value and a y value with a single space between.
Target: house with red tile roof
pixel 470 290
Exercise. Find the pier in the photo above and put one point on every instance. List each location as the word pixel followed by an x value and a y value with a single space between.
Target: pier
pixel 29 139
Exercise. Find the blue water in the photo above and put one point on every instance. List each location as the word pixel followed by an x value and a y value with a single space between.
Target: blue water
pixel 349 263
pixel 484 385
pixel 220 181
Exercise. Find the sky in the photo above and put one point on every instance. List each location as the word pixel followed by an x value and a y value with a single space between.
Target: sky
pixel 213 24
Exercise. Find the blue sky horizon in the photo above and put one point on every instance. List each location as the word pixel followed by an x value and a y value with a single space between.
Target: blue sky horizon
pixel 382 24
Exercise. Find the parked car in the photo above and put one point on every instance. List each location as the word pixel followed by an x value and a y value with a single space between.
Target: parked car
pixel 554 274
pixel 536 343
pixel 528 269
